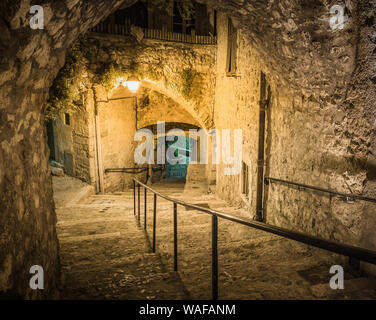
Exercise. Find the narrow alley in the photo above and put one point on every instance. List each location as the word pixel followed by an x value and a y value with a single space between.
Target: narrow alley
pixel 184 150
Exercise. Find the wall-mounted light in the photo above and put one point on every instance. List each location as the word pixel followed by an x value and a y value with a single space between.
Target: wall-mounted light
pixel 133 84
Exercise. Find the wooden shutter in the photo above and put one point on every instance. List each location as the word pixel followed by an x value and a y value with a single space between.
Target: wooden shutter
pixel 231 48
pixel 229 39
pixel 234 49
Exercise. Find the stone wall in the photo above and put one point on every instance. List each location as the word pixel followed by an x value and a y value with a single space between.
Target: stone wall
pixel 315 135
pixel 161 65
pixel 364 95
pixel 294 39
pixel 162 108
pixel 72 142
pixel 237 97
pixel 29 61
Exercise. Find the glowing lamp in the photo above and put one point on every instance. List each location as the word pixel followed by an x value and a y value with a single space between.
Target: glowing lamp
pixel 133 84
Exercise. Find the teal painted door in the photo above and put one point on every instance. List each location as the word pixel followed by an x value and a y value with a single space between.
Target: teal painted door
pixel 179 170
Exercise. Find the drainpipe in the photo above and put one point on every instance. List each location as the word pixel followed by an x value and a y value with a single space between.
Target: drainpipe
pixel 136 110
pixel 98 146
pixel 261 150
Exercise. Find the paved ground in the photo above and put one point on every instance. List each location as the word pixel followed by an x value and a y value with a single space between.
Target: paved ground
pixel 68 190
pixel 106 254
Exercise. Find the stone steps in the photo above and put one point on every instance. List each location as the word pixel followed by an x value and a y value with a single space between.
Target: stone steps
pixel 106 254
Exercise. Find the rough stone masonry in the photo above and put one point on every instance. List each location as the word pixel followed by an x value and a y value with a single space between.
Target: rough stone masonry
pixel 293 48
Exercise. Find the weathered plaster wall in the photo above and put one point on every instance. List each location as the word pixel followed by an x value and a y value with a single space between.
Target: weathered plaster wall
pixel 117 129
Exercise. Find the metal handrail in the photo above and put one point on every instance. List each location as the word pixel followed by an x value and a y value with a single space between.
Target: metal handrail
pixel 267 180
pixel 126 170
pixel 132 170
pixel 332 246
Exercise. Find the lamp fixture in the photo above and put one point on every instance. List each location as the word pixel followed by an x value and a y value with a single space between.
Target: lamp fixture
pixel 133 84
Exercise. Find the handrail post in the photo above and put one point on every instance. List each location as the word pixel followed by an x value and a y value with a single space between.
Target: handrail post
pixel 138 190
pixel 214 257
pixel 146 205
pixel 154 220
pixel 134 198
pixel 175 236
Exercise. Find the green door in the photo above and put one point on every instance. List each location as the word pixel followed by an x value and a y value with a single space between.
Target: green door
pixel 179 170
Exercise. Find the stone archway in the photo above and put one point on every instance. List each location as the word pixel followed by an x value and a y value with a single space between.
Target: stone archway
pixel 164 67
pixel 119 114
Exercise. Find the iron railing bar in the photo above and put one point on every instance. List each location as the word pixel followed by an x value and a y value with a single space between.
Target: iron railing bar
pixel 214 257
pixel 175 236
pixel 146 206
pixel 154 221
pixel 343 249
pixel 129 168
pixel 341 194
pixel 139 205
pixel 134 198
pixel 126 170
